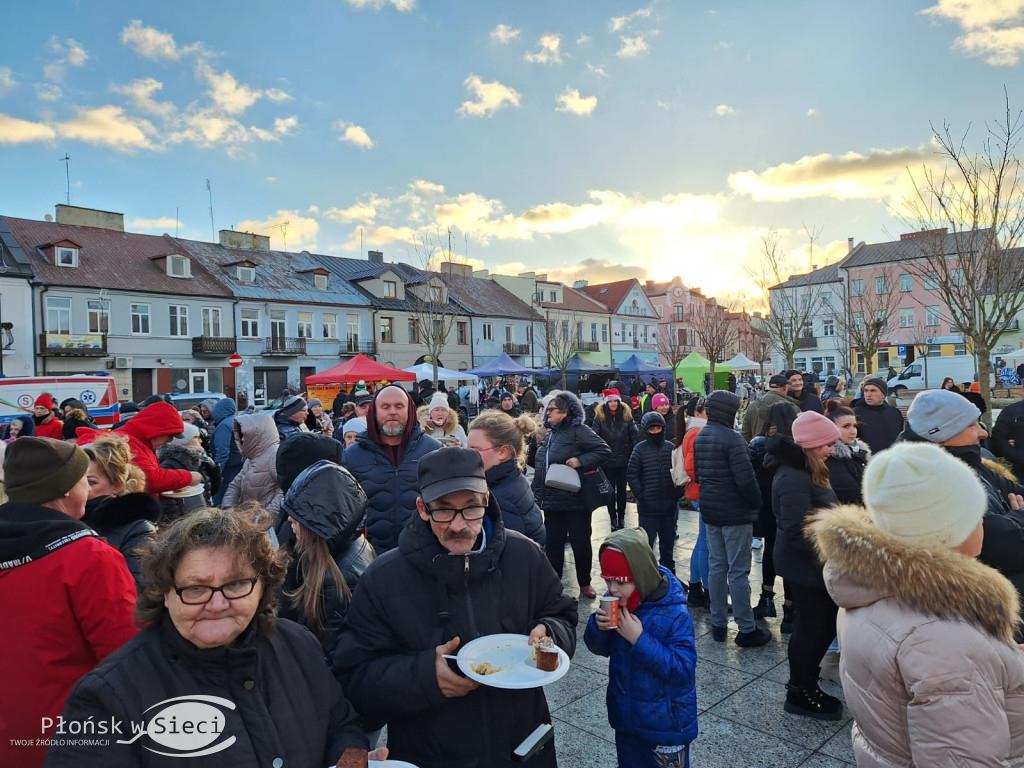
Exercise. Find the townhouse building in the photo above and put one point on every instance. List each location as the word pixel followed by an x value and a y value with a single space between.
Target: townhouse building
pixel 811 308
pixel 674 304
pixel 633 319
pixel 574 323
pixel 17 320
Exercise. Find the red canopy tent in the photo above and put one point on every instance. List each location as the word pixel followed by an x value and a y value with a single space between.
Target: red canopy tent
pixel 359 367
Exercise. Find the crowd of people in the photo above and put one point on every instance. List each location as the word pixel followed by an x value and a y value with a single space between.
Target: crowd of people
pixel 316 570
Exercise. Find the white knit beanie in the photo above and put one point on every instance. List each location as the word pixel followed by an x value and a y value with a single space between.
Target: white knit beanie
pixel 438 400
pixel 922 495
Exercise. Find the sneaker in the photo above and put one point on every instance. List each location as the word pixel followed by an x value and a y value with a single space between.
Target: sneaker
pixel 788 619
pixel 697 596
pixel 757 542
pixel 719 633
pixel 754 638
pixel 588 592
pixel 765 608
pixel 812 702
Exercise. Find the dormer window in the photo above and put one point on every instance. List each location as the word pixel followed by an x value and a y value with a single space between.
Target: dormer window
pixel 436 294
pixel 245 274
pixel 390 289
pixel 67 257
pixel 179 266
pixel 319 281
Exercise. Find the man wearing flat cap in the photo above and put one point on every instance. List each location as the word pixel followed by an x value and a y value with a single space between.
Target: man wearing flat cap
pixel 68 598
pixel 456 575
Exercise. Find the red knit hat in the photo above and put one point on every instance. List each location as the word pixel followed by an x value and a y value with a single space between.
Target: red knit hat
pixel 614 565
pixel 44 400
pixel 611 394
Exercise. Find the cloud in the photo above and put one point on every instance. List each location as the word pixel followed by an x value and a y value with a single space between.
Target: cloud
pixel 583 40
pixel 722 46
pixel 812 112
pixel 354 134
pixel 570 100
pixel 489 97
pixel 141 93
pixel 7 81
pixel 596 271
pixel 618 23
pixel 375 5
pixel 993 29
pixel 596 69
pixel 363 213
pixel 977 14
pixel 386 235
pixel 632 47
pixel 48 91
pixel 999 47
pixel 164 224
pixel 299 234
pixel 151 43
pixel 226 92
pixel 510 268
pixel 70 53
pixel 16 131
pixel 109 126
pixel 283 126
pixel 76 54
pixel 504 34
pixel 724 110
pixel 877 175
pixel 548 50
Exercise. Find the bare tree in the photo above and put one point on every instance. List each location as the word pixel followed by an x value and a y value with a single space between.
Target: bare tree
pixel 562 339
pixel 435 313
pixel 863 318
pixel 673 346
pixel 972 211
pixel 716 335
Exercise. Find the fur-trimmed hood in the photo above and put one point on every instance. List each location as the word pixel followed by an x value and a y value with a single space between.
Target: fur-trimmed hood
pixel 602 412
pixel 844 451
pixel 574 412
pixel 423 412
pixel 865 564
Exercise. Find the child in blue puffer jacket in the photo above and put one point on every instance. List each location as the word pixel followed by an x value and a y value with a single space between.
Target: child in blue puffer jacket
pixel 652 691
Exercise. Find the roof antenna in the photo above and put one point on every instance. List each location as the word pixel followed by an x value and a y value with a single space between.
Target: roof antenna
pixel 213 232
pixel 67 170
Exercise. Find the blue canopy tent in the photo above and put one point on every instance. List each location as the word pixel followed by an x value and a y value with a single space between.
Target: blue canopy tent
pixel 577 367
pixel 634 367
pixel 502 365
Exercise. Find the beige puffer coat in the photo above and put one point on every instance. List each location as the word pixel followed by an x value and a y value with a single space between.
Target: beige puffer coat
pixel 257 480
pixel 928 663
pixel 451 428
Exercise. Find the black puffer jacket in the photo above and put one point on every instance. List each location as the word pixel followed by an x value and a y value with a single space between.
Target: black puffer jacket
pixel 1009 427
pixel 126 522
pixel 846 471
pixel 794 499
pixel 571 437
pixel 288 709
pixel 417 597
pixel 620 434
pixel 878 425
pixel 728 488
pixel 327 500
pixel 519 510
pixel 173 456
pixel 650 472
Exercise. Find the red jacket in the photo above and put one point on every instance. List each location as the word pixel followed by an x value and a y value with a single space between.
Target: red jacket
pixel 53 428
pixel 152 421
pixel 63 613
pixel 693 487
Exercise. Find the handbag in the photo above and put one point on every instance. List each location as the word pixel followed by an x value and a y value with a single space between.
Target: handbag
pixel 561 477
pixel 678 471
pixel 596 489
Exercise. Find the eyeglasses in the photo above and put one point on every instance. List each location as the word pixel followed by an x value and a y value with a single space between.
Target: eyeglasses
pixel 469 514
pixel 551 408
pixel 201 595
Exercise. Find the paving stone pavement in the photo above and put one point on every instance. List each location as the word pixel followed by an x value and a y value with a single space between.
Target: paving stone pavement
pixel 740 691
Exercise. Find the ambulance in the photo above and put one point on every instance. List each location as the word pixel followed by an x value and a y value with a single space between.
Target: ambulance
pixel 18 394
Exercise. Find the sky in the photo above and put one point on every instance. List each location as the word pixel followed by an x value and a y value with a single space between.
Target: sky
pixel 582 139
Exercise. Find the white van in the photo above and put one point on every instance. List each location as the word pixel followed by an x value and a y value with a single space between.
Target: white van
pixel 18 394
pixel 928 373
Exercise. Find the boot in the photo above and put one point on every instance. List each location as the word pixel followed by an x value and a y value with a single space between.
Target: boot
pixel 754 638
pixel 812 702
pixel 697 596
pixel 788 619
pixel 765 608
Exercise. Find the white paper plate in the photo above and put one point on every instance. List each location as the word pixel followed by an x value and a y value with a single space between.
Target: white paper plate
pixel 184 493
pixel 512 653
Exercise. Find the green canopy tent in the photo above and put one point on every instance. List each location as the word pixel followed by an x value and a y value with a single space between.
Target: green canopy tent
pixel 694 367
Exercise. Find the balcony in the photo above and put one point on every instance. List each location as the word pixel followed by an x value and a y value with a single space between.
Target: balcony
pixel 213 346
pixel 516 350
pixel 588 346
pixel 279 346
pixel 808 342
pixel 72 345
pixel 354 346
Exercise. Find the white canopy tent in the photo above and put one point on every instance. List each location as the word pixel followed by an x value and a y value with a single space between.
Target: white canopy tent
pixel 1017 354
pixel 426 371
pixel 742 363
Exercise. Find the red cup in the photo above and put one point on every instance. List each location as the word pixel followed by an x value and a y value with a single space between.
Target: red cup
pixel 610 605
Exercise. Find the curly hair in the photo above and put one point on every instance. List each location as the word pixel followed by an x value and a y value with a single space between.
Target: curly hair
pixel 114 459
pixel 502 429
pixel 236 530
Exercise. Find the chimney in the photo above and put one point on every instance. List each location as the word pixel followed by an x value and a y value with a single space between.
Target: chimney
pixel 375 256
pixel 580 284
pixel 229 238
pixel 849 245
pixel 90 217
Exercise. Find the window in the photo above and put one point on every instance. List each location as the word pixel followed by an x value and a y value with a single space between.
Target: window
pixel 787 302
pixel 593 331
pixel 352 328
pixel 178 314
pixel 529 334
pixel 826 299
pixel 140 319
pixel 565 330
pixel 99 316
pixel 957 277
pixel 808 329
pixel 857 287
pixel 387 330
pixel 604 332
pixel 959 349
pixel 390 289
pixel 858 321
pixel 579 333
pixel 906 283
pixel 305 323
pixel 883 360
pixel 436 294
pixel 932 316
pixel 805 301
pixel 319 281
pixel 508 334
pixel 678 313
pixel 907 318
pixel 460 333
pixel 882 319
pixel 488 332
pixel 211 321
pixel 553 296
pixel 278 321
pixel 414 331
pixel 661 310
pixel 67 257
pixel 828 327
pixel 860 363
pixel 178 266
pixel 623 331
pixel 250 323
pixel 246 274
pixel 931 281
pixel 330 325
pixel 881 284
pixel 787 328
pixel 934 350
pixel 58 315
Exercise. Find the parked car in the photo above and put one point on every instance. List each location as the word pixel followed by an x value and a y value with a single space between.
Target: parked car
pixel 186 400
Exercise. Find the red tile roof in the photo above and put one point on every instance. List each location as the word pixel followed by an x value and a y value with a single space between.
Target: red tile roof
pixel 610 294
pixel 575 301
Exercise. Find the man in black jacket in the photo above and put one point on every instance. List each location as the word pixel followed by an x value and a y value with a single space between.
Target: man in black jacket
pixel 803 393
pixel 730 500
pixel 650 476
pixel 1008 437
pixel 878 423
pixel 456 575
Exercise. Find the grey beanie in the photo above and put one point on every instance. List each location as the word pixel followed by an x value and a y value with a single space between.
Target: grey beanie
pixel 936 415
pixel 292 405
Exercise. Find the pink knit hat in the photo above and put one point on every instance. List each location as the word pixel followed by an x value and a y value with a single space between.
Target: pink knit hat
pixel 812 430
pixel 659 400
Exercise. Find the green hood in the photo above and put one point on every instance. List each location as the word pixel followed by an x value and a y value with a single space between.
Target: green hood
pixel 632 542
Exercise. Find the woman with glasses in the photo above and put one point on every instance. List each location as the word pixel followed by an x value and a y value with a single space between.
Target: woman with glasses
pixel 570 442
pixel 501 442
pixel 267 697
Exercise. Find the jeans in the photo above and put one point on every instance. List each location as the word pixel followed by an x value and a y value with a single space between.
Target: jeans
pixel 729 566
pixel 699 558
pixel 636 753
pixel 574 526
pixel 617 504
pixel 813 632
pixel 662 527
